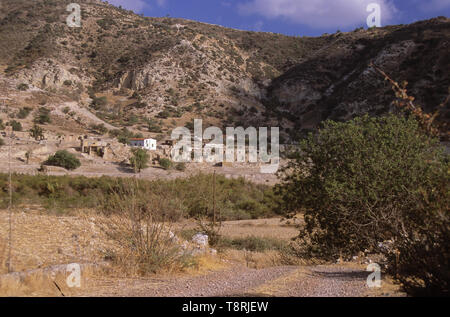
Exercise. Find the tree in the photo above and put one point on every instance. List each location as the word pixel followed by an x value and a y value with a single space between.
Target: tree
pixel 63 159
pixel 366 181
pixel 139 159
pixel 37 132
pixel 28 155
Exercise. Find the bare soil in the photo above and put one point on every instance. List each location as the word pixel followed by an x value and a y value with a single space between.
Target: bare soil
pixel 41 241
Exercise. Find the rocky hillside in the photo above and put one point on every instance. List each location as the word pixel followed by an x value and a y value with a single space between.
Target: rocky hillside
pixel 337 82
pixel 152 74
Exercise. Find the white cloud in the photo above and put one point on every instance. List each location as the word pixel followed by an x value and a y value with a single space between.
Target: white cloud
pixel 319 13
pixel 134 5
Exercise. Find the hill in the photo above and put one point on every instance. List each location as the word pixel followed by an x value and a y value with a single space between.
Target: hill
pixel 153 74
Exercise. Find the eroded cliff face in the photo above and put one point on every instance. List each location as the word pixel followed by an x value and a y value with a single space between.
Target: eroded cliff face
pixel 339 84
pixel 51 74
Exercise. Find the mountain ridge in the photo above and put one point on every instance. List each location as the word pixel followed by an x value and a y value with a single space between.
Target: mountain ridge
pixel 153 74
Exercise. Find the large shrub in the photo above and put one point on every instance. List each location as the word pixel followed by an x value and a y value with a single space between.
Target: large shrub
pixel 63 159
pixel 370 180
pixel 421 256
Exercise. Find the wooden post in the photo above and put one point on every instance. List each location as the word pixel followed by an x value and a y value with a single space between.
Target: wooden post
pixel 10 200
pixel 214 197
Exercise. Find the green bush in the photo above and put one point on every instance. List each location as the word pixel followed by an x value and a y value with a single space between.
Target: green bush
pixel 23 87
pixel 163 114
pixel 63 159
pixel 165 163
pixel 16 125
pixel 42 116
pixel 99 128
pixel 99 103
pixel 124 135
pixel 153 126
pixel 24 112
pixel 368 181
pixel 2 142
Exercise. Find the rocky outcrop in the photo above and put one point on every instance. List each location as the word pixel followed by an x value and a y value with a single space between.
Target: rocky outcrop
pixel 48 73
pixel 338 83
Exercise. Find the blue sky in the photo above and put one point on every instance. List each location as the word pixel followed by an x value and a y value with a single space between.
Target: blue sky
pixel 291 17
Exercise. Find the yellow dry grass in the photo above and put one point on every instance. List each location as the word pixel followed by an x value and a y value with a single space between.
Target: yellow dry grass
pixel 268 228
pixel 40 240
pixel 255 260
pixel 282 283
pixel 263 228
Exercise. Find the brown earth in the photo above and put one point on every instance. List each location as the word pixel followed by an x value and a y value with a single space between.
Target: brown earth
pixel 41 241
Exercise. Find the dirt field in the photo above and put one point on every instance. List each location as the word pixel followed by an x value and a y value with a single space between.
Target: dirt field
pixel 43 241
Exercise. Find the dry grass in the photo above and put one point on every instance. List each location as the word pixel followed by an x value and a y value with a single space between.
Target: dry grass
pixel 267 228
pixel 144 246
pixel 42 240
pixel 263 228
pixel 254 260
pixel 3 255
pixel 49 282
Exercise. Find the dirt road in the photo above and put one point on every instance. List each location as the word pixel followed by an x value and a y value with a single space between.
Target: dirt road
pixel 285 281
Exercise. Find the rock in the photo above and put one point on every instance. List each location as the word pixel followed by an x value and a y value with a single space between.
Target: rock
pixel 200 239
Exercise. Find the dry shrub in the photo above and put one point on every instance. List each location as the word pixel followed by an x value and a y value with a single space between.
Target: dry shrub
pixel 145 242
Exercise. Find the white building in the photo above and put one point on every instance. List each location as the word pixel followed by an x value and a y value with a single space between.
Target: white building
pixel 148 144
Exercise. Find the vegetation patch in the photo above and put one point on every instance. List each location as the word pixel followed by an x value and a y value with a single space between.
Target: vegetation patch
pixel 63 159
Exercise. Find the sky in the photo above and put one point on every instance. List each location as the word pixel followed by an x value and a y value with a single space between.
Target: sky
pixel 290 17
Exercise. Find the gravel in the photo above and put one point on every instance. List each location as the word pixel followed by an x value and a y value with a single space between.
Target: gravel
pixel 317 281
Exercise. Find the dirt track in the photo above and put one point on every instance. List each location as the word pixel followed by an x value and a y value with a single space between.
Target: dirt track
pixel 284 281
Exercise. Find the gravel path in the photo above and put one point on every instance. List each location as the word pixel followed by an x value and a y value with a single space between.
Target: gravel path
pixel 326 281
pixel 284 281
